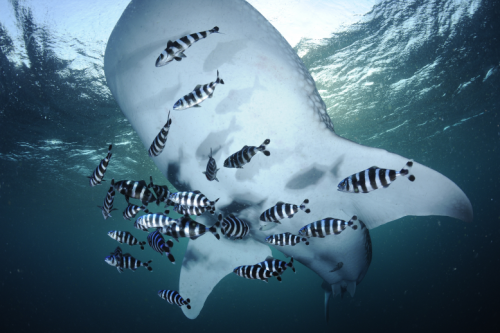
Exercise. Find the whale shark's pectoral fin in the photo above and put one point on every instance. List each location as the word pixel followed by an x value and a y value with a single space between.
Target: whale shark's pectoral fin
pixel 208 260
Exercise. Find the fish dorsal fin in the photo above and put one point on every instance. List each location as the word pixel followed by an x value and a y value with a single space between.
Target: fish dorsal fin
pixel 169 44
pixel 197 87
pixel 269 258
pixel 373 167
pixel 143 182
pixel 196 192
pixel 280 203
pixel 231 215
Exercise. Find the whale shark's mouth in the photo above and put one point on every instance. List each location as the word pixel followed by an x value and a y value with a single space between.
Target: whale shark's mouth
pixel 268 93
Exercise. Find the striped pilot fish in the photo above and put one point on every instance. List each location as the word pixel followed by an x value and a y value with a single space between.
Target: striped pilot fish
pixel 175 50
pixel 327 226
pixel 190 210
pixel 211 172
pixel 161 191
pixel 198 95
pixel 131 211
pixel 193 199
pixel 135 189
pixel 185 227
pixel 242 157
pixel 254 272
pixel 107 205
pixel 275 265
pixel 116 259
pixel 285 239
pixel 121 261
pixel 282 210
pixel 373 178
pixel 125 237
pixel 173 297
pixel 154 220
pixel 157 242
pixel 161 139
pixel 233 227
pixel 98 174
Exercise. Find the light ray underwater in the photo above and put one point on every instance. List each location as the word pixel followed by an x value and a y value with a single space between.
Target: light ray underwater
pixel 267 94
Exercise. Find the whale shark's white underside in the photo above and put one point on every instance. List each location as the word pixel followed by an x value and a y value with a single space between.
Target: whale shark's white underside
pixel 268 93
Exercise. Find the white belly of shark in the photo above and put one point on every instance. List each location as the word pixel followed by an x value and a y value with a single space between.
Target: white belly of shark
pixel 268 94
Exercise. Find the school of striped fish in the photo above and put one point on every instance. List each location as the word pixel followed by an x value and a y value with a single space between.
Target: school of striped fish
pixel 195 203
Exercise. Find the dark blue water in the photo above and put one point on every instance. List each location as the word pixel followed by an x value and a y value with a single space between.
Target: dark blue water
pixel 417 78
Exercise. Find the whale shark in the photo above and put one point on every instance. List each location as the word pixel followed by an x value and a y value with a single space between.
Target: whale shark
pixel 268 94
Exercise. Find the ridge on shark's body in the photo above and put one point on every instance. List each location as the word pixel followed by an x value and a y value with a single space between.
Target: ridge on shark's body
pixel 268 94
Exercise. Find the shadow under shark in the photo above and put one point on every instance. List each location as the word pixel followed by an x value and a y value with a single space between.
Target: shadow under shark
pixel 307 158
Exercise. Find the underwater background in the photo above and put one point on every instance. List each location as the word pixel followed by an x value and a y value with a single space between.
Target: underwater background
pixel 418 78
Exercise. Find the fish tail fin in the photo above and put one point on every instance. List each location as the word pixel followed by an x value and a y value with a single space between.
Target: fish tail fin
pixel 213 230
pixel 303 239
pixel 147 265
pixel 279 278
pixel 303 206
pixel 170 257
pixel 352 220
pixel 406 171
pixel 290 264
pixel 219 80
pixel 212 203
pixel 142 245
pixel 262 147
pixel 214 30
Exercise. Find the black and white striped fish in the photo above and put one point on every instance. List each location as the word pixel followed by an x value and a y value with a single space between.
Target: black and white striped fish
pixel 198 95
pixel 132 263
pixel 190 210
pixel 254 272
pixel 107 205
pixel 160 140
pixel 275 265
pixel 135 189
pixel 186 227
pixel 285 239
pixel 193 199
pixel 121 261
pixel 242 157
pixel 233 227
pixel 157 242
pixel 131 211
pixel 154 220
pixel 116 259
pixel 98 174
pixel 175 50
pixel 282 210
pixel 327 226
pixel 173 297
pixel 161 191
pixel 211 172
pixel 373 178
pixel 125 237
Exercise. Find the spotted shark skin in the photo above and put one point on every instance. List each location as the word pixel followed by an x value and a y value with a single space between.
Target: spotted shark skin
pixel 268 94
